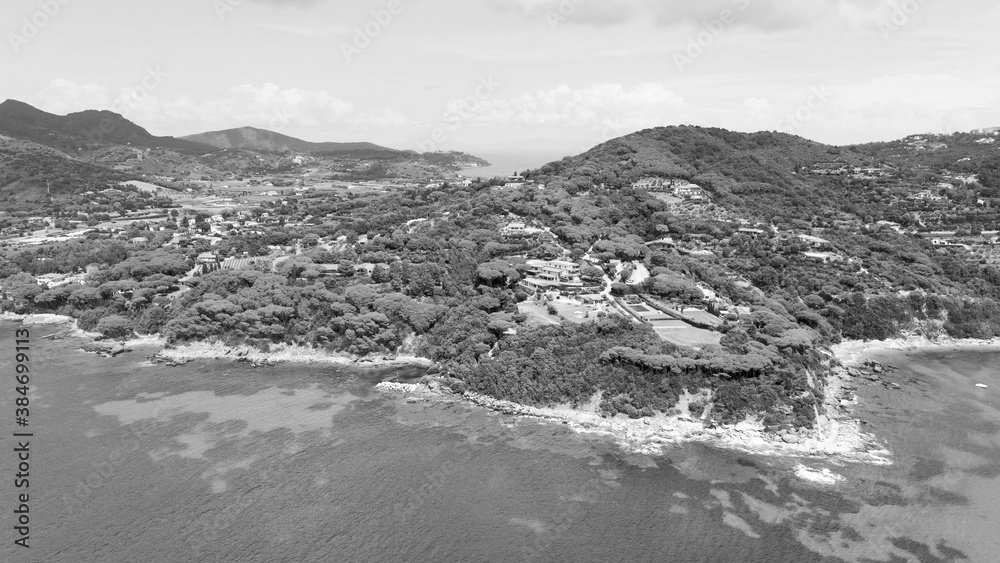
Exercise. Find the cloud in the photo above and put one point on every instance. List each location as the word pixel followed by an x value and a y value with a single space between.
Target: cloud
pixel 64 96
pixel 268 106
pixel 766 15
pixel 574 107
pixel 883 108
pixel 306 30
pixel 286 3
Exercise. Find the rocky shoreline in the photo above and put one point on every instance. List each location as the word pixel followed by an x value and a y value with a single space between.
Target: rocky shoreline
pixel 279 354
pixel 180 355
pixel 837 435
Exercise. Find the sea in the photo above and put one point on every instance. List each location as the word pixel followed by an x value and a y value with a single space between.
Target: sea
pixel 507 163
pixel 219 461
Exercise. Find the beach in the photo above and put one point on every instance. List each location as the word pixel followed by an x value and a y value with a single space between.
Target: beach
pixel 852 352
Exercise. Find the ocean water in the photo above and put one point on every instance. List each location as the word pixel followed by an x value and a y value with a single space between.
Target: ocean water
pixel 217 461
pixel 506 164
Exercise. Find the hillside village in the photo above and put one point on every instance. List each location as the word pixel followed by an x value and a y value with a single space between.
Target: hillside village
pixel 211 226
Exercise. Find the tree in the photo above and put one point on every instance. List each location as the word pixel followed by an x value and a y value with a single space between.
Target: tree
pixel 151 320
pixel 381 274
pixel 591 273
pixel 115 326
pixel 345 268
pixel 22 288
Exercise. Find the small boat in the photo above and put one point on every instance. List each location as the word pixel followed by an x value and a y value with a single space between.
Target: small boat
pixel 982 385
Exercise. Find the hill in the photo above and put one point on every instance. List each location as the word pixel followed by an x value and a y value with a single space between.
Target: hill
pixel 83 130
pixel 768 175
pixel 793 245
pixel 268 141
pixel 763 172
pixel 34 175
pixel 262 140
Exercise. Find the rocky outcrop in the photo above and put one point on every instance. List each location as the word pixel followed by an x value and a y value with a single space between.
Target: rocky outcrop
pixel 874 372
pixel 105 349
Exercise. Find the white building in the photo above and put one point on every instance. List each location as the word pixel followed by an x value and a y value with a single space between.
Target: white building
pixel 692 191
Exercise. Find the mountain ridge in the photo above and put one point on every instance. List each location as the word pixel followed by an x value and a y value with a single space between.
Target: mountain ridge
pixel 79 130
pixel 255 138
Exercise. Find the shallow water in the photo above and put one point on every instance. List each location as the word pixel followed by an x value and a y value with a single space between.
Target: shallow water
pixel 221 462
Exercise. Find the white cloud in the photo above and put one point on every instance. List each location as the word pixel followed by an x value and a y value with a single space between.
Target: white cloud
pixel 883 108
pixel 306 30
pixel 577 107
pixel 767 15
pixel 268 106
pixel 64 96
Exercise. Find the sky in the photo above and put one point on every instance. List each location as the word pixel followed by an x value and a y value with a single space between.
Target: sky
pixel 552 76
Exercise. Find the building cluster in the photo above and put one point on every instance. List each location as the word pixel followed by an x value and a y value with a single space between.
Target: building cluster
pixel 678 187
pixel 545 275
pixel 870 172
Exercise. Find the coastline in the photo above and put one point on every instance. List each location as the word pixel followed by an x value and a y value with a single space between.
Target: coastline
pixel 283 353
pixel 853 352
pixel 280 353
pixel 836 436
pixel 37 319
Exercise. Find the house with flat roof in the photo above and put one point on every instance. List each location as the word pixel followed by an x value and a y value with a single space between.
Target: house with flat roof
pixel 547 275
pixel 692 191
pixel 555 265
pixel 513 229
pixel 208 258
pixel 651 184
pixel 824 257
pixel 814 242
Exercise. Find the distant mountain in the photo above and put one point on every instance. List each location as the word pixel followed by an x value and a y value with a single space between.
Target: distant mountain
pixel 986 130
pixel 81 130
pixel 252 138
